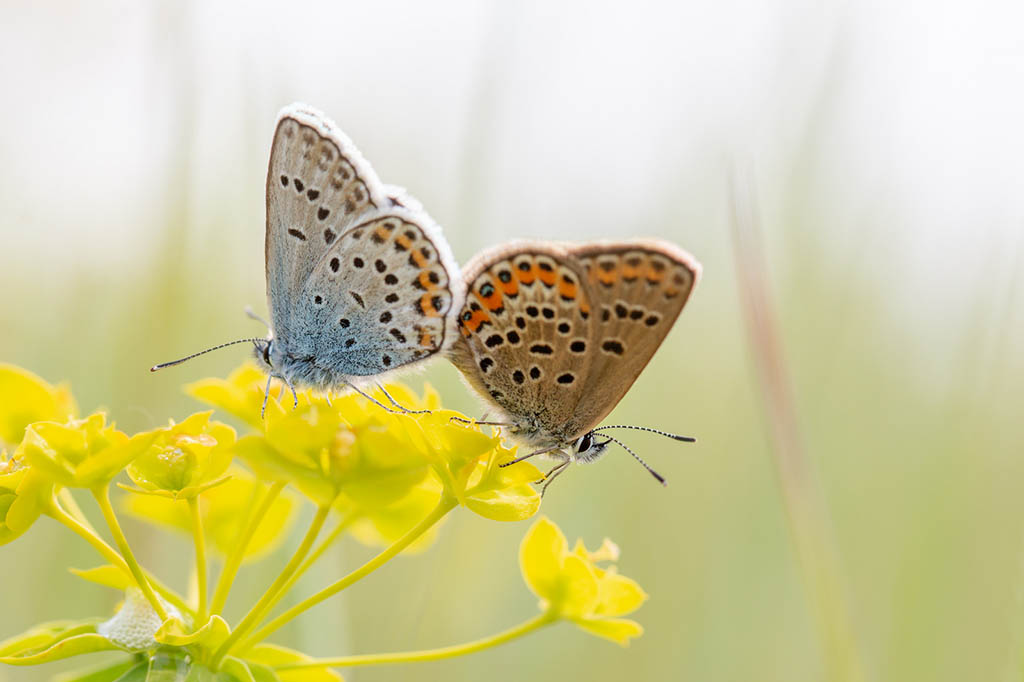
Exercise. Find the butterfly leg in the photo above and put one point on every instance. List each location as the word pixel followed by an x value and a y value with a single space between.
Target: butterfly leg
pixel 470 422
pixel 399 405
pixel 266 394
pixel 327 397
pixel 553 474
pixel 528 456
pixel 377 402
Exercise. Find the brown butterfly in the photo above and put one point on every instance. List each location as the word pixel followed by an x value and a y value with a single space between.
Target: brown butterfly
pixel 554 334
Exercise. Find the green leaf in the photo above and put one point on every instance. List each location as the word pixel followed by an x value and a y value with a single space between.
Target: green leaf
pixel 105 673
pixel 262 673
pixel 199 673
pixel 136 674
pixel 41 635
pixel 237 669
pixel 108 576
pixel 272 655
pixel 164 667
pixel 65 648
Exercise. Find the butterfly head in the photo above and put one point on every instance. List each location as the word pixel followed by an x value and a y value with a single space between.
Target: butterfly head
pixel 587 448
pixel 263 350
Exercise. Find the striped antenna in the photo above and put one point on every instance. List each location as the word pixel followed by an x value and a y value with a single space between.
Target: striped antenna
pixel 162 365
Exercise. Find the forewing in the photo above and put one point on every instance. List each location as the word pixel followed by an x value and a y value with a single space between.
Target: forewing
pixel 378 299
pixel 318 186
pixel 638 289
pixel 524 333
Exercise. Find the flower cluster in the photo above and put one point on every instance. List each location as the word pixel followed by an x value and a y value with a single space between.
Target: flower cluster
pixel 386 478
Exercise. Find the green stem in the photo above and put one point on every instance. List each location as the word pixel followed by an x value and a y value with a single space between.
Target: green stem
pixel 444 505
pixel 426 654
pixel 102 495
pixel 199 538
pixel 256 613
pixel 313 557
pixel 87 533
pixel 234 562
pixel 77 522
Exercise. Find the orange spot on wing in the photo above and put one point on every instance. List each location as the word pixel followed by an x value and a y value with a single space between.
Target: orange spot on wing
pixel 654 275
pixel 403 241
pixel 546 276
pixel 567 290
pixel 526 276
pixel 426 339
pixel 424 280
pixel 427 306
pixel 382 233
pixel 630 272
pixel 509 288
pixel 479 317
pixel 493 302
pixel 607 276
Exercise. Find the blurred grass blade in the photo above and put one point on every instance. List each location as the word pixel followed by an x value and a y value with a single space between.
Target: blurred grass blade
pixel 806 512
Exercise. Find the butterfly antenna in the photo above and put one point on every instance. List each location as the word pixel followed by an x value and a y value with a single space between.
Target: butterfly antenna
pixel 162 365
pixel 685 439
pixel 637 457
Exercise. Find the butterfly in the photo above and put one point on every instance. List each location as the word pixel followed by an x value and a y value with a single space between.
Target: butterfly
pixel 553 335
pixel 360 280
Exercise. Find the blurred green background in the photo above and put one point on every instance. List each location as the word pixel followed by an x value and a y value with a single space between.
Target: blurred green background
pixel 886 147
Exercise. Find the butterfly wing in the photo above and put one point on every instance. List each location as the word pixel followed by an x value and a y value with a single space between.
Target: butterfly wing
pixel 359 278
pixel 524 332
pixel 318 186
pixel 381 297
pixel 554 335
pixel 638 289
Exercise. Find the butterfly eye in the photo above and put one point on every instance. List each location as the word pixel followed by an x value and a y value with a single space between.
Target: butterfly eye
pixel 584 443
pixel 266 355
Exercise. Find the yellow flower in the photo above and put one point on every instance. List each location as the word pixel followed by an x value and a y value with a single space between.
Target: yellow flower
pixel 325 449
pixel 25 398
pixel 382 526
pixel 224 512
pixel 24 494
pixel 81 453
pixel 468 462
pixel 572 586
pixel 185 459
pixel 372 458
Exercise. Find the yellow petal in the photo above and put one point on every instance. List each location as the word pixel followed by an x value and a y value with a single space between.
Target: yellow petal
pixel 508 504
pixel 108 576
pixel 540 558
pixel 380 527
pixel 619 630
pixel 579 593
pixel 211 635
pixel 619 595
pixel 25 398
